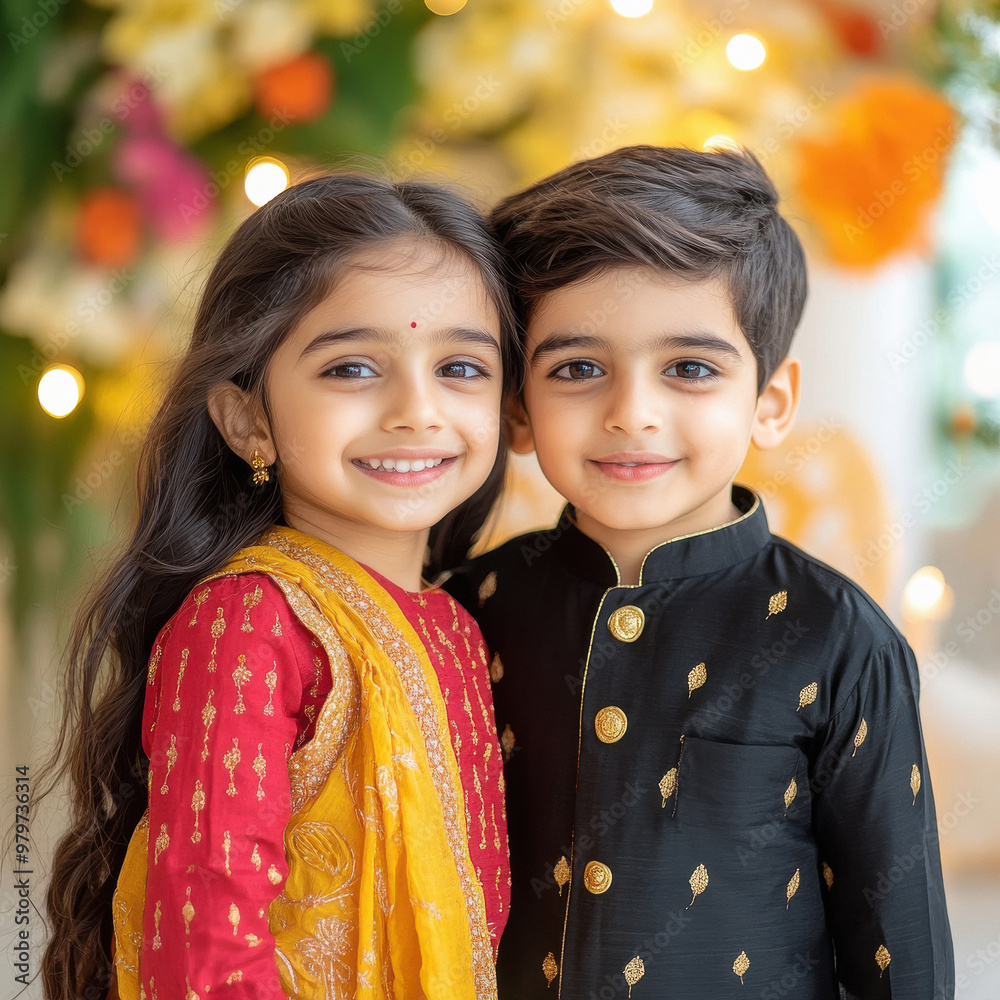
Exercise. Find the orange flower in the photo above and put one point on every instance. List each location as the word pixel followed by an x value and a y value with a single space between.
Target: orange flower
pixel 870 183
pixel 299 90
pixel 108 227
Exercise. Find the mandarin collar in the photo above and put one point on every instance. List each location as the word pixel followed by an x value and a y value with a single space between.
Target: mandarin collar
pixel 689 555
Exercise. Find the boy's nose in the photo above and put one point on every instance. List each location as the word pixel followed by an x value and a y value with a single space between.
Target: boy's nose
pixel 632 407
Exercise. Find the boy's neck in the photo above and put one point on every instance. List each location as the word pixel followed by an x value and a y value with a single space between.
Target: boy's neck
pixel 630 546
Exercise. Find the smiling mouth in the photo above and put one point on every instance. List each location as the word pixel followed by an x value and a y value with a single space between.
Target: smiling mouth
pixel 400 464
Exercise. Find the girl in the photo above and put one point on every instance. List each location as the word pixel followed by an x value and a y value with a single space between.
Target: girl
pixel 323 803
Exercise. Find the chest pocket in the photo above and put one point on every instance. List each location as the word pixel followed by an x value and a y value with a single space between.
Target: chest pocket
pixel 743 790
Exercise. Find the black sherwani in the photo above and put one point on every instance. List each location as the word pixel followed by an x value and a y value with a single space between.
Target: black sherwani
pixel 716 781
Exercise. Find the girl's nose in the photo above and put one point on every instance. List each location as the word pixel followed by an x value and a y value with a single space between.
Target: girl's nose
pixel 412 403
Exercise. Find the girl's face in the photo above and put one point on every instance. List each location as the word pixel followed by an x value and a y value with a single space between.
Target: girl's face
pixel 384 400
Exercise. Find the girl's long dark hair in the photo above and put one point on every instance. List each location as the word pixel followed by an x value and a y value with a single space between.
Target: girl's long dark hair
pixel 196 508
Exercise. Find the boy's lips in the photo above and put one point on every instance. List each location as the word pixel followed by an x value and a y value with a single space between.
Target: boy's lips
pixel 634 466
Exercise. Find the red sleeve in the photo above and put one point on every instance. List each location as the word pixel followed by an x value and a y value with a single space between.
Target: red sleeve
pixel 234 684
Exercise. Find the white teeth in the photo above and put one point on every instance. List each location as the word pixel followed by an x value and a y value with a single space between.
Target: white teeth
pixel 402 464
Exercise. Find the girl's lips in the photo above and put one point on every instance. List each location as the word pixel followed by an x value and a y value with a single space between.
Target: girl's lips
pixel 392 477
pixel 632 471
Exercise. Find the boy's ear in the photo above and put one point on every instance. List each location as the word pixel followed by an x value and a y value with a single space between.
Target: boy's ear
pixel 777 405
pixel 518 426
pixel 241 421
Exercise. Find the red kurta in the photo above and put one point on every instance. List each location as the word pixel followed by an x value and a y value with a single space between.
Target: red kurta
pixel 235 684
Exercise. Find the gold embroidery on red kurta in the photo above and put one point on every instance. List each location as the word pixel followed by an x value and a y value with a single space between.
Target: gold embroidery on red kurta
pixel 250 601
pixel 241 676
pixel 271 680
pixel 185 653
pixel 197 804
pixel 260 769
pixel 171 756
pixel 218 628
pixel 230 760
pixel 207 717
pixel 199 600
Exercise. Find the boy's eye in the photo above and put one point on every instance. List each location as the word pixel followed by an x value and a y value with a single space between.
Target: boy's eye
pixel 460 369
pixel 578 371
pixel 351 370
pixel 691 371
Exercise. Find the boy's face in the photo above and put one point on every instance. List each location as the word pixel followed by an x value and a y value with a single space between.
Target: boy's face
pixel 641 394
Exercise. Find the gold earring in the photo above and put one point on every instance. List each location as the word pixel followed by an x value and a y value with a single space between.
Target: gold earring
pixel 259 466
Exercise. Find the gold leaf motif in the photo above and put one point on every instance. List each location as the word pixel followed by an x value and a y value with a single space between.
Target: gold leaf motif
pixel 828 875
pixel 550 968
pixel 862 733
pixel 197 804
pixel 698 883
pixel 230 759
pixel 162 843
pixel 562 873
pixel 250 601
pixel 227 843
pixel 187 912
pixel 234 917
pixel 668 785
pixel 915 782
pixel 634 971
pixel 487 588
pixel 790 792
pixel 199 600
pixel 741 965
pixel 696 678
pixel 496 669
pixel 777 603
pixel 883 958
pixel 793 887
pixel 507 742
pixel 271 680
pixel 157 940
pixel 276 627
pixel 171 760
pixel 273 875
pixel 808 695
pixel 256 858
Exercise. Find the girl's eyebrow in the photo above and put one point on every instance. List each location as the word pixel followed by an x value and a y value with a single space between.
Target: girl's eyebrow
pixel 379 335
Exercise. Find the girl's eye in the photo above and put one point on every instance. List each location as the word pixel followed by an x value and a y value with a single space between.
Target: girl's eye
pixel 576 371
pixel 351 370
pixel 690 371
pixel 460 369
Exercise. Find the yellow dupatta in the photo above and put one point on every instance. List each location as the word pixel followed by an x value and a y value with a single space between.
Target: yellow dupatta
pixel 381 900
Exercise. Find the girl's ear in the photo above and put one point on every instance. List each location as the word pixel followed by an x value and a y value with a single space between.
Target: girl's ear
pixel 777 405
pixel 518 426
pixel 241 421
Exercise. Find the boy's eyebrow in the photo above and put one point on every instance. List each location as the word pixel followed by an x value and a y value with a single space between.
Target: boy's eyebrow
pixel 696 341
pixel 379 335
pixel 558 342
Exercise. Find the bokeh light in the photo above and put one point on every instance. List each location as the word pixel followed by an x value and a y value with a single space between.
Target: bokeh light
pixel 982 369
pixel 632 8
pixel 265 178
pixel 444 7
pixel 926 594
pixel 746 51
pixel 60 389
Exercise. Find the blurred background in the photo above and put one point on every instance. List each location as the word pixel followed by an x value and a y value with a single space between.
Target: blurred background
pixel 136 135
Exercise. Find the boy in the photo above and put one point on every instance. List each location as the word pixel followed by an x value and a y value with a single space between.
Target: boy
pixel 715 774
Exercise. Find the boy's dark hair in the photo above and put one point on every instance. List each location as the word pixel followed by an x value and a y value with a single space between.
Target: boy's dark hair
pixel 697 215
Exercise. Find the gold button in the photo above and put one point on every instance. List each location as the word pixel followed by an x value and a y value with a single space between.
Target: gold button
pixel 626 623
pixel 597 877
pixel 610 724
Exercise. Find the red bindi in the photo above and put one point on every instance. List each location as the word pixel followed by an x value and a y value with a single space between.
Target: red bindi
pixel 414 324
